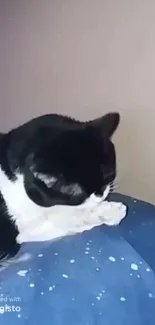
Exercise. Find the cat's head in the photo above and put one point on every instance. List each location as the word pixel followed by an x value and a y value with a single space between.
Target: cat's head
pixel 68 164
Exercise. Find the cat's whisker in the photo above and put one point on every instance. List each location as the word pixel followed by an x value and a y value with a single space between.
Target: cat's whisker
pixel 3 259
pixel 114 189
pixel 114 182
pixel 114 185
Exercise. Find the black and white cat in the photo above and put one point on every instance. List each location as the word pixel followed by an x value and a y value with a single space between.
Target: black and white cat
pixel 55 174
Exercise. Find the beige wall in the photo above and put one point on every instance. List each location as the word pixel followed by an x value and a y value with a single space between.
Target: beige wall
pixel 83 58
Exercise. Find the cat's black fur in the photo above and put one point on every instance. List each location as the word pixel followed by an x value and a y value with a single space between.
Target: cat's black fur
pixel 74 152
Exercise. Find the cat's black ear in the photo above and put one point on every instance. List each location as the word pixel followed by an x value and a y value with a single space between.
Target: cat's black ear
pixel 107 124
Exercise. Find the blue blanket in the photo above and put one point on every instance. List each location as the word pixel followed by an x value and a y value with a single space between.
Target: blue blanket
pixel 101 277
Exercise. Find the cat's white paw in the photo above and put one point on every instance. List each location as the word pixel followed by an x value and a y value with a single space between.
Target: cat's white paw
pixel 111 213
pixel 20 240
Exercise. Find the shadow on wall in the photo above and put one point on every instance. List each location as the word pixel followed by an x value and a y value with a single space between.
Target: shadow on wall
pixel 135 154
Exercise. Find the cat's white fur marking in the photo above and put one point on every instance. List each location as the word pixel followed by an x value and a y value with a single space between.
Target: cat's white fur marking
pixel 37 223
pixel 49 181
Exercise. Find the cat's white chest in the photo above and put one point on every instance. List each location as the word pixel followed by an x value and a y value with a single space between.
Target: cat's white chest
pixel 22 210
